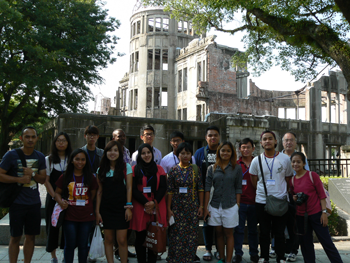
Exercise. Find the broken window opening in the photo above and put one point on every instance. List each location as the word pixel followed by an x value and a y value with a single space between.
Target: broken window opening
pixel 156 97
pixel 199 71
pixel 149 98
pixel 185 27
pixel 179 27
pixel 138 27
pixel 135 100
pixel 165 24
pixel 150 24
pixel 185 79
pixel 157 59
pixel 150 59
pixel 179 81
pixel 184 114
pixel 136 61
pixel 164 97
pixel 179 114
pixel 158 24
pixel 165 59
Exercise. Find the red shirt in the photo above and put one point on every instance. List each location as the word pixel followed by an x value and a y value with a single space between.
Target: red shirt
pixel 78 191
pixel 313 190
pixel 248 191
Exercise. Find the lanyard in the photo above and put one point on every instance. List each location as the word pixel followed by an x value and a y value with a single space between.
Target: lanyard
pixel 271 165
pixel 82 184
pixel 246 172
pixel 92 163
pixel 174 159
pixel 146 177
pixel 62 170
pixel 182 173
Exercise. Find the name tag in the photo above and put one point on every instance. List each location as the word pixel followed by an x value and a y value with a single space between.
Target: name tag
pixel 270 182
pixel 244 182
pixel 147 190
pixel 183 190
pixel 80 202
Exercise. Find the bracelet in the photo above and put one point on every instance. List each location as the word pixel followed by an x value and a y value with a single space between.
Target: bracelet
pixel 128 203
pixel 201 206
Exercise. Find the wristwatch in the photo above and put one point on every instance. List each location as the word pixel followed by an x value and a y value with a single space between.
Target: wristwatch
pixel 33 174
pixel 324 211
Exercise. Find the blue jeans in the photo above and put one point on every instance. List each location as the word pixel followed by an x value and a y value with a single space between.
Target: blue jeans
pixel 246 212
pixel 76 234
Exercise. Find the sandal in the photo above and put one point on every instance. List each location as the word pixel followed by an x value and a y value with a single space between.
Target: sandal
pixel 217 255
pixel 208 256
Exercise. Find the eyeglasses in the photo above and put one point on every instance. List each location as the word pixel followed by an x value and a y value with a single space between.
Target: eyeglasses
pixel 148 134
pixel 91 135
pixel 61 141
pixel 288 140
pixel 176 141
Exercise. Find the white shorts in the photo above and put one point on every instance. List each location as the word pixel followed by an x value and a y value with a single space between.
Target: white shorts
pixel 228 218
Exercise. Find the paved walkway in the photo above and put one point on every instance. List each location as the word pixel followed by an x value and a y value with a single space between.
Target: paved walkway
pixel 41 256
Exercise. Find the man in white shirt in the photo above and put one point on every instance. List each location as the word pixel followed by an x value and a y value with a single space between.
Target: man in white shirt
pixel 277 171
pixel 147 135
pixel 171 159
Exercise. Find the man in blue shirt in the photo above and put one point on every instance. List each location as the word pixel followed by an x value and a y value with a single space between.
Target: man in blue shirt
pixel 25 209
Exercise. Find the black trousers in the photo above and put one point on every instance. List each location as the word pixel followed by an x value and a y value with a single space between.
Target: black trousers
pixel 141 250
pixel 268 223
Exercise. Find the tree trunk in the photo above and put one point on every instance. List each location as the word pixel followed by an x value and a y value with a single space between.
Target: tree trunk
pixel 5 138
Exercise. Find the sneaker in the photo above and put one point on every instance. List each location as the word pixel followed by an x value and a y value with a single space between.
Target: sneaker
pixel 254 258
pixel 262 260
pixel 237 259
pixel 272 253
pixel 291 257
pixel 54 260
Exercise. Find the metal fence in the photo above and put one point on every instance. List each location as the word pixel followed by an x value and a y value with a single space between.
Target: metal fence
pixel 330 167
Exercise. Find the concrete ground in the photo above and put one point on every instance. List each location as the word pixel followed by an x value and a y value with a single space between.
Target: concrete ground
pixel 40 255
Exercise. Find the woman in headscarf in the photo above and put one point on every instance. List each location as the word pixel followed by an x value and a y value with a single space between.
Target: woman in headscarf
pixel 149 185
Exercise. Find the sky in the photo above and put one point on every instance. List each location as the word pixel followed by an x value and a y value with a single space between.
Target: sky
pixel 274 79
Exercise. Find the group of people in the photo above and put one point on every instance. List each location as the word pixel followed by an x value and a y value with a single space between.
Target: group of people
pixel 120 191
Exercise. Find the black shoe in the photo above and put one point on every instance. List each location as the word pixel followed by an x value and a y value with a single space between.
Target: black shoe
pixel 196 259
pixel 237 259
pixel 254 258
pixel 159 257
pixel 117 256
pixel 131 255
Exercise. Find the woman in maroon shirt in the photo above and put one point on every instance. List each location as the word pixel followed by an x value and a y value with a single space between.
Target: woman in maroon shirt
pixel 313 208
pixel 77 186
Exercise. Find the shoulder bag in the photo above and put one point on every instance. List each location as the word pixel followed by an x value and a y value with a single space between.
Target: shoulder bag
pixel 274 206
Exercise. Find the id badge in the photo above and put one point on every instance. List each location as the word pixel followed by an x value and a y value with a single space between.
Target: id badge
pixel 80 202
pixel 270 182
pixel 147 190
pixel 244 182
pixel 183 190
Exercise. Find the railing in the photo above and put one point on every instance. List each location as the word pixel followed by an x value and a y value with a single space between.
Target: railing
pixel 330 167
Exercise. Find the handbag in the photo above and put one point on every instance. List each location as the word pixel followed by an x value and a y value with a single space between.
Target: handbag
pixel 274 206
pixel 9 192
pixel 156 234
pixel 58 215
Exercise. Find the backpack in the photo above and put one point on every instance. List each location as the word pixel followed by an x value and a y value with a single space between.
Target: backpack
pixel 328 197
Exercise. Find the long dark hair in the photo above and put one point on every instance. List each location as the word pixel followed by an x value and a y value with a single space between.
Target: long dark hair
pixel 53 157
pixel 233 158
pixel 105 163
pixel 68 174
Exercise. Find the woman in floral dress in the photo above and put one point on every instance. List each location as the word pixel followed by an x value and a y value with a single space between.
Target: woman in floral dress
pixel 185 204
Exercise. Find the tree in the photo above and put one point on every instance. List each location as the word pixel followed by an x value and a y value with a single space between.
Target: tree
pixel 50 52
pixel 297 35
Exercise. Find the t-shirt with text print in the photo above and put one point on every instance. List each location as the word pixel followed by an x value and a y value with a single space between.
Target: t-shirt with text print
pixel 76 190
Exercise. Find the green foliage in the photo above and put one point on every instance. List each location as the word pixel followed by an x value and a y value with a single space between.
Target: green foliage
pixel 3 212
pixel 297 36
pixel 333 221
pixel 325 179
pixel 50 52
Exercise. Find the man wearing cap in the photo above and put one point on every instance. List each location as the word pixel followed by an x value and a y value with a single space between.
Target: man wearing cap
pixel 277 171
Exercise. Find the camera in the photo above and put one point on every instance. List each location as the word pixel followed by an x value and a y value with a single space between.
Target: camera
pixel 301 198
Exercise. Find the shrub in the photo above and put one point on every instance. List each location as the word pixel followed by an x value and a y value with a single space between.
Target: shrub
pixel 3 212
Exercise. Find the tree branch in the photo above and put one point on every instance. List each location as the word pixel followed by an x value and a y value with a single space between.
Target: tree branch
pixel 231 31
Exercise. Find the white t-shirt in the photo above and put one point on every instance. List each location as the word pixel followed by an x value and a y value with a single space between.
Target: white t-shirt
pixel 58 166
pixel 156 153
pixel 170 160
pixel 281 169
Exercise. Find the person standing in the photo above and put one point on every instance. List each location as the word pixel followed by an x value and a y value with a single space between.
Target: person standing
pixel 170 160
pixel 247 207
pixel 114 194
pixel 205 157
pixel 311 212
pixel 56 164
pixel 147 134
pixel 226 178
pixel 25 209
pixel 94 153
pixel 277 171
pixel 185 205
pixel 149 185
pixel 77 186
pixel 119 136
